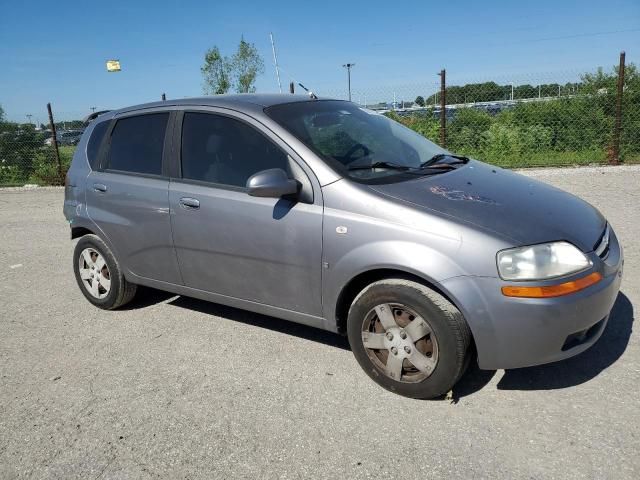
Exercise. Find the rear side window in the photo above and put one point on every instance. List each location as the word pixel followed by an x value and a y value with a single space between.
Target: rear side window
pixel 137 144
pixel 222 150
pixel 94 143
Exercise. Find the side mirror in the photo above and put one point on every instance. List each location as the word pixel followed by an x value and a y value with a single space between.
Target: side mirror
pixel 272 183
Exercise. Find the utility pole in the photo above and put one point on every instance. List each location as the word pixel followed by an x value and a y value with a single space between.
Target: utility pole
pixel 348 67
pixel 275 61
pixel 512 91
pixel 28 115
pixel 93 109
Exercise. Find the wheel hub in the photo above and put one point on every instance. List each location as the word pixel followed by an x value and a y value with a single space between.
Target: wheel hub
pixel 396 344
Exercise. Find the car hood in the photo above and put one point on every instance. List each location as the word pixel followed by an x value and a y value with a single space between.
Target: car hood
pixel 514 206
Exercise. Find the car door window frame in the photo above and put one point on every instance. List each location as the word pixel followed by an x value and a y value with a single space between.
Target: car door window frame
pixel 105 146
pixel 175 168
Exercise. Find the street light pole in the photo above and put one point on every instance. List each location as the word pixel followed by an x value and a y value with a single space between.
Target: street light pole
pixel 348 67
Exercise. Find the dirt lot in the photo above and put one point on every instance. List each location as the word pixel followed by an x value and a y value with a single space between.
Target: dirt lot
pixel 178 388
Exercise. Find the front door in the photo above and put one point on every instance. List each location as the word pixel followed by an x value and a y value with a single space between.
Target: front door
pixel 264 250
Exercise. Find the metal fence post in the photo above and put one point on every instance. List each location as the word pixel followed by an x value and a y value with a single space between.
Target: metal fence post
pixel 54 141
pixel 443 108
pixel 615 153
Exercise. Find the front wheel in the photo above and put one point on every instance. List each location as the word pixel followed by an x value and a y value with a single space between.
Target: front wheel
pixel 99 275
pixel 408 338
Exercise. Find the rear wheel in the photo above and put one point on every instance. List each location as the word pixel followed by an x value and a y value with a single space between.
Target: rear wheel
pixel 99 275
pixel 408 338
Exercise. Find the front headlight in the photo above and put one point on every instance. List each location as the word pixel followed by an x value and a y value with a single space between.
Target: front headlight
pixel 541 262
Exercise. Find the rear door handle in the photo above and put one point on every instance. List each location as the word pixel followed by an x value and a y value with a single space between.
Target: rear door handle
pixel 190 203
pixel 99 187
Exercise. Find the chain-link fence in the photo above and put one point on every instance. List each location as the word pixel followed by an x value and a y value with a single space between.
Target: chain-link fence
pixel 28 152
pixel 560 119
pixel 564 118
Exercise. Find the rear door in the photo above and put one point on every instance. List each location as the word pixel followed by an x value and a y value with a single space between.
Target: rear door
pixel 127 195
pixel 265 250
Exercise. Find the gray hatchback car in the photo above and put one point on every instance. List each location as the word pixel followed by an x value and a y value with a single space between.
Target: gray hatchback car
pixel 324 213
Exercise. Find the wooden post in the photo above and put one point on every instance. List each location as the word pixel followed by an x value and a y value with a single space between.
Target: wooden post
pixel 615 153
pixel 443 109
pixel 54 142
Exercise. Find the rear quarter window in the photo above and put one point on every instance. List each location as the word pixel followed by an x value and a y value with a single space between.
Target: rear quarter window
pixel 93 146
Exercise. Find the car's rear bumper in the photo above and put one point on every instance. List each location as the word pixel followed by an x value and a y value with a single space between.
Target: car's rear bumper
pixel 519 332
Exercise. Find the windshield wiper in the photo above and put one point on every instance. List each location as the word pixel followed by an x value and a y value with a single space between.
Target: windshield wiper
pixel 391 166
pixel 434 162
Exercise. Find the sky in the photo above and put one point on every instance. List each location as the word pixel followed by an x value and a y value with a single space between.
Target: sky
pixel 56 52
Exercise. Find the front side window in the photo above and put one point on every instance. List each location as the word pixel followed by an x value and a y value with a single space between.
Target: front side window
pixel 356 142
pixel 137 143
pixel 222 150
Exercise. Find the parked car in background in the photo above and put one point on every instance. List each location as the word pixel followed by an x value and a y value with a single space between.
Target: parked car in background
pixel 331 215
pixel 66 137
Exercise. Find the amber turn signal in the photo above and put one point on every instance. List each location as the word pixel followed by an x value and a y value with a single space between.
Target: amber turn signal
pixel 552 290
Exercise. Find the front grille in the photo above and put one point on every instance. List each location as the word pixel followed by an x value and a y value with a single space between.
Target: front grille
pixel 602 245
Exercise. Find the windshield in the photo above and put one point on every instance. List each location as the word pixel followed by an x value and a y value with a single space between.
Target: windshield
pixel 358 143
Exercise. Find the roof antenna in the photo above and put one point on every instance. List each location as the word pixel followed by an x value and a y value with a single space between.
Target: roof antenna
pixel 312 95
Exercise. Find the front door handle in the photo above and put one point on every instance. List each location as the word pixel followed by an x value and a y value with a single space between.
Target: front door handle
pixel 190 203
pixel 99 187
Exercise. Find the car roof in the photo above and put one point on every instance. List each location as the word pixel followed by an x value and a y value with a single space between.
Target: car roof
pixel 241 101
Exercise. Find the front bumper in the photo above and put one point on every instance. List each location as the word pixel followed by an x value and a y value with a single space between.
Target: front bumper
pixel 514 332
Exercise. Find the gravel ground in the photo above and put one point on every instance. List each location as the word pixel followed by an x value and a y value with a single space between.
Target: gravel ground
pixel 178 388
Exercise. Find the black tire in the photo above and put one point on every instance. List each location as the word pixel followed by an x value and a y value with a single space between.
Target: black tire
pixel 120 292
pixel 447 324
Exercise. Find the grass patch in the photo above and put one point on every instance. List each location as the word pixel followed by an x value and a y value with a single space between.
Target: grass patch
pixel 550 159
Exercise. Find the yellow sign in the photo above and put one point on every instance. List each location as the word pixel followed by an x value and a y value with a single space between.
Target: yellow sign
pixel 113 65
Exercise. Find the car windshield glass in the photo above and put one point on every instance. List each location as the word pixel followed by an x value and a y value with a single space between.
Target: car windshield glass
pixel 358 143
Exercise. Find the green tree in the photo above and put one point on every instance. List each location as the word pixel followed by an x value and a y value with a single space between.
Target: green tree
pixel 246 65
pixel 419 100
pixel 216 72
